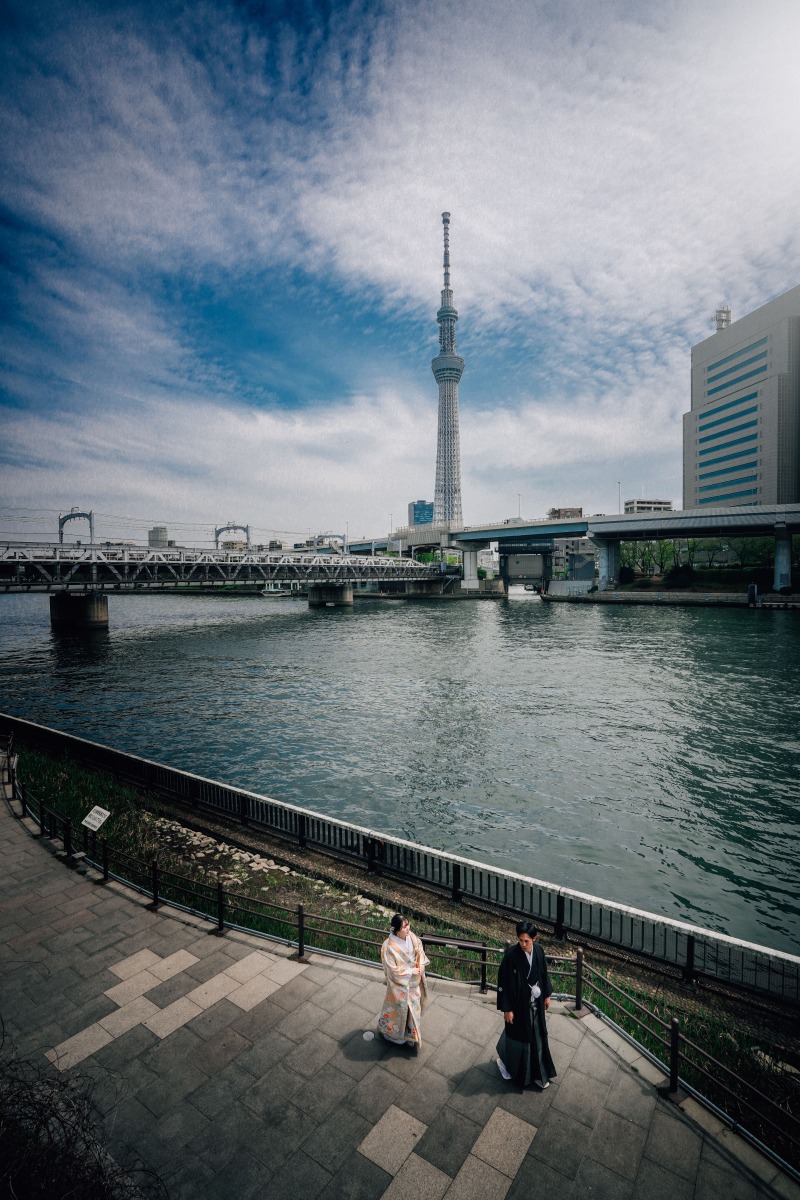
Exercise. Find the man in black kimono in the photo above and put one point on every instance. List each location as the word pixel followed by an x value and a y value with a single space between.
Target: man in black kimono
pixel 523 995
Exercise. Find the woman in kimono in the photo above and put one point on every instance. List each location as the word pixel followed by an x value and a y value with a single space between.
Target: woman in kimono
pixel 523 996
pixel 404 962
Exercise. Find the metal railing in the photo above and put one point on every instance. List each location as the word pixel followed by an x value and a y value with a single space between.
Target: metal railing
pixel 695 954
pixel 761 1119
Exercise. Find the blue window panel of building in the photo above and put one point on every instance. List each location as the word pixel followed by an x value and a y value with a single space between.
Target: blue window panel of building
pixel 730 417
pixel 749 437
pixel 724 432
pixel 729 404
pixel 737 354
pixel 724 387
pixel 747 362
pixel 728 470
pixel 709 487
pixel 711 462
pixel 730 496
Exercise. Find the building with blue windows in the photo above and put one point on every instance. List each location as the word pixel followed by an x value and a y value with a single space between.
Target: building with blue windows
pixel 420 512
pixel 741 440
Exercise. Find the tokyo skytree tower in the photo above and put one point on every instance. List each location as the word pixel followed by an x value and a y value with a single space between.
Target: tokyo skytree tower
pixel 447 367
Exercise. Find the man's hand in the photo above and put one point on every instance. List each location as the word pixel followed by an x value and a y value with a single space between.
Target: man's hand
pixel 547 1002
pixel 509 1016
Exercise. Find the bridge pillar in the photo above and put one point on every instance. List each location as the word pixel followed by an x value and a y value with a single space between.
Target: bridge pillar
pixel 79 610
pixel 608 549
pixel 783 558
pixel 425 587
pixel 470 581
pixel 336 595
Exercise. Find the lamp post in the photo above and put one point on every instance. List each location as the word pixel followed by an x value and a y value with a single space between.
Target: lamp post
pixel 619 496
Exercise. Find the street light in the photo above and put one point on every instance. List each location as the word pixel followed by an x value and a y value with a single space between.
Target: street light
pixel 619 496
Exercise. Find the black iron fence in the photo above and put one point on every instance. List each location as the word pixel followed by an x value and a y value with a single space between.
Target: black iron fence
pixel 767 1121
pixel 694 953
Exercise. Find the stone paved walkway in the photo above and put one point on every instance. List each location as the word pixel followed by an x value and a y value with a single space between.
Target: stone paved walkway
pixel 236 1071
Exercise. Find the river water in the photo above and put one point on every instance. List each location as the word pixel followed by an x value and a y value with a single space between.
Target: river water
pixel 649 756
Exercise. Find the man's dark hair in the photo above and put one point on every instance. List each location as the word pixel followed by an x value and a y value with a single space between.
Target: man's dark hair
pixel 527 927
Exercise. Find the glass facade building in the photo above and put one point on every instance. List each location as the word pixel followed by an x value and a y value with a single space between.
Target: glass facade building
pixel 741 439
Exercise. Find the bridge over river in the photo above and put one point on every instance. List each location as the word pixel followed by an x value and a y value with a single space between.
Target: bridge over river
pixel 78 577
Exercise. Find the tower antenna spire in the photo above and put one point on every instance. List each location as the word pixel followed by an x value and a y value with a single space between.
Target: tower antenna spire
pixel 447 367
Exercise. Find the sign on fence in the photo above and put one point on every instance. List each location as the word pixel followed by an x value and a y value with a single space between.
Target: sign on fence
pixel 95 818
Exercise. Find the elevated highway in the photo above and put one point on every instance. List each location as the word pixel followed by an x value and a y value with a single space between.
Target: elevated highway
pixel 767 520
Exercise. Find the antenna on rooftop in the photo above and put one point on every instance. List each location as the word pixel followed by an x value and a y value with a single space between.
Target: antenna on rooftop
pixel 722 318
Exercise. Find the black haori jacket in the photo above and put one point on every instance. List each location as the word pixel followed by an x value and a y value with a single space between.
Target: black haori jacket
pixel 514 990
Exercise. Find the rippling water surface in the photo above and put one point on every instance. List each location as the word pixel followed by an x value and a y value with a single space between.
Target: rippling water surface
pixel 647 756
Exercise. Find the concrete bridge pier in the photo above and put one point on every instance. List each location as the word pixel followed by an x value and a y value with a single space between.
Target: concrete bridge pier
pixel 608 553
pixel 326 595
pixel 425 587
pixel 783 558
pixel 470 581
pixel 79 610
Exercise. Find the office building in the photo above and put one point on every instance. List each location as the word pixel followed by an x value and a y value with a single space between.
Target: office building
pixel 420 512
pixel 564 514
pixel 648 506
pixel 157 537
pixel 741 440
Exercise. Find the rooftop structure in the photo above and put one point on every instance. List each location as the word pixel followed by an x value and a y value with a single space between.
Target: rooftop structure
pixel 648 506
pixel 447 367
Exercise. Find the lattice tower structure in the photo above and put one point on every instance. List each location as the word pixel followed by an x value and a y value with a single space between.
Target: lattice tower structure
pixel 447 367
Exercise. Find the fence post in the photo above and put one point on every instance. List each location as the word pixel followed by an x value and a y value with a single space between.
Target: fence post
pixel 370 855
pixel 674 1056
pixel 301 932
pixel 41 832
pixel 154 877
pixel 484 988
pixel 105 860
pixel 301 829
pixel 23 799
pixel 220 910
pixel 559 929
pixel 688 970
pixel 68 837
pixel 456 882
pixel 579 1010
pixel 243 803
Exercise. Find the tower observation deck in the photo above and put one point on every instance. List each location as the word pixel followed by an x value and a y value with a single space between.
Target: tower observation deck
pixel 447 367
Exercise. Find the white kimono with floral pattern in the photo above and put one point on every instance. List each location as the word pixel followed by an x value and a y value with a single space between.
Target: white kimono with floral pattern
pixel 404 963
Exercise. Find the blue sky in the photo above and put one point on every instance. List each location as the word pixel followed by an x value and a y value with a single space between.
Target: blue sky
pixel 220 240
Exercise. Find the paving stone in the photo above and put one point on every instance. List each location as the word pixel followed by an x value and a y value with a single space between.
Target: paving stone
pixel 129 989
pixel 595 1180
pixel 337 1137
pixel 673 1143
pixel 346 1021
pixel 134 963
pixel 561 1142
pixel 250 965
pixel 168 1019
pixel 478 1094
pixel 299 1176
pixel 222 1048
pixel 127 1048
pixel 357 1057
pixel 189 1180
pixel 405 1062
pixel 323 1092
pixel 263 1055
pixel 172 1088
pixel 247 995
pixel 290 996
pixel 75 1049
pixel 437 1023
pixel 480 1023
pixel 312 1054
pixel 654 1182
pixel 595 1059
pixel 617 1143
pixel 631 1097
pixel 221 1090
pixel 580 1097
pixel 392 1139
pixel 453 1057
pixel 298 1024
pixel 504 1141
pixel 448 1141
pixel 371 997
pixel 374 1093
pixel 417 1178
pixel 272 1092
pixel 478 1181
pixel 535 1179
pixel 357 1179
pixel 425 1096
pixel 336 992
pixel 123 1019
pixel 564 1028
pixel 243 1177
pixel 172 964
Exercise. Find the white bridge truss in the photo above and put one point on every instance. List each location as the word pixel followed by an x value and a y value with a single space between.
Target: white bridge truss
pixel 48 568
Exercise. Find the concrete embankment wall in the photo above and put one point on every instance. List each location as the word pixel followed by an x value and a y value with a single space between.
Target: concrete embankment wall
pixel 653 597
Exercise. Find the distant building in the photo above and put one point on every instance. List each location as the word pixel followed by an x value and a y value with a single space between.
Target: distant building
pixel 564 514
pixel 741 440
pixel 420 512
pixel 648 506
pixel 575 556
pixel 157 537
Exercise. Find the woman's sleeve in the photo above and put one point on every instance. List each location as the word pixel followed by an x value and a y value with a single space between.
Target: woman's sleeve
pixel 396 970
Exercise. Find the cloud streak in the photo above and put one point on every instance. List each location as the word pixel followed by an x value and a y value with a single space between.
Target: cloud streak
pixel 215 222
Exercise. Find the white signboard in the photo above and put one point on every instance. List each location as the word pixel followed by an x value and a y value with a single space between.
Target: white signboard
pixel 96 818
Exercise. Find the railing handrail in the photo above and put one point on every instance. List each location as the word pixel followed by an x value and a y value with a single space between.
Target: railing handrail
pixel 697 952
